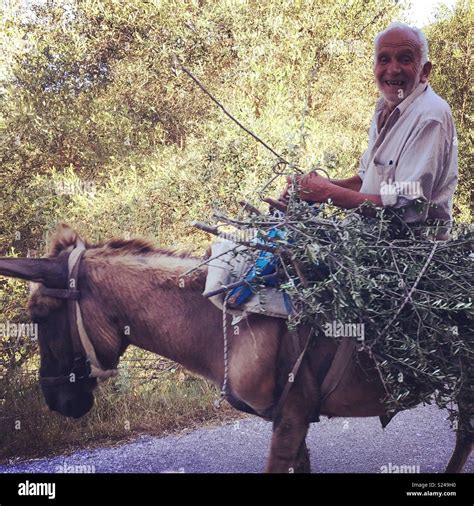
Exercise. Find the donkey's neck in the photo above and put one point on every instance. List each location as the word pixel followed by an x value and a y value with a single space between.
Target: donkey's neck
pixel 160 311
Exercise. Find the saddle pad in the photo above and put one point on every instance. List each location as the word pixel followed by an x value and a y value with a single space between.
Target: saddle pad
pixel 232 263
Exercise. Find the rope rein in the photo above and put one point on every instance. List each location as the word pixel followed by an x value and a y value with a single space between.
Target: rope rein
pixel 225 381
pixel 204 89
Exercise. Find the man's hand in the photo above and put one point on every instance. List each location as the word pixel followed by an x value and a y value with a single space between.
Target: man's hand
pixel 313 187
pixel 310 186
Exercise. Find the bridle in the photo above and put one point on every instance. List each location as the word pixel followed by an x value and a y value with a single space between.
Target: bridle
pixel 85 365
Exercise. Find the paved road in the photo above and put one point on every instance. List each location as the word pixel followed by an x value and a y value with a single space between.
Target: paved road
pixel 420 438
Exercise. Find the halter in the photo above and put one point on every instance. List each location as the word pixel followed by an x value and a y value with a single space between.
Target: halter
pixel 85 362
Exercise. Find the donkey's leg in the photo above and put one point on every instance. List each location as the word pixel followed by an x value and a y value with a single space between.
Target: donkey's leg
pixel 303 464
pixel 288 452
pixel 464 439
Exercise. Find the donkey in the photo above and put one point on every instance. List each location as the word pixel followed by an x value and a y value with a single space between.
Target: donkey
pixel 132 293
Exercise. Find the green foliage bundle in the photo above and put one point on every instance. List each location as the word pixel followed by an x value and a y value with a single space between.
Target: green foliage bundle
pixel 405 298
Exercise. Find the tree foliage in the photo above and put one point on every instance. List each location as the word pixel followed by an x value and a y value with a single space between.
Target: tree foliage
pixel 451 41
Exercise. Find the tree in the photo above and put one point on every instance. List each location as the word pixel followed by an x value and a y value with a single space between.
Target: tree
pixel 451 43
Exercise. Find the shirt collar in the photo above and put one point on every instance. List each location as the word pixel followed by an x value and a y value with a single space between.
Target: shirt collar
pixel 404 104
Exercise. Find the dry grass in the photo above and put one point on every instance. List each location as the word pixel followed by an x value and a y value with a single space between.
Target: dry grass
pixel 123 409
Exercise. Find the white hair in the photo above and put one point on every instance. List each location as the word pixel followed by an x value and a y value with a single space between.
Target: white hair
pixel 423 43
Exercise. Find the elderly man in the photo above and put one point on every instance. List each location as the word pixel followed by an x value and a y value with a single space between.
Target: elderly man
pixel 412 152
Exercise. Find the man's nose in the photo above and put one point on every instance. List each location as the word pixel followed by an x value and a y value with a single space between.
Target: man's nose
pixel 394 68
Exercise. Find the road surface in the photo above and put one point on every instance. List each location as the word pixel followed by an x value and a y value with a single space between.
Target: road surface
pixel 420 440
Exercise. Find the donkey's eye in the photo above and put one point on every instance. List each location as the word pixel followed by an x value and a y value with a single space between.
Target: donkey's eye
pixel 39 312
pixel 40 306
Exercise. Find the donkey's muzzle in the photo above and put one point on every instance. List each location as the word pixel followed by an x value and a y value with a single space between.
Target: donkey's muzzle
pixel 72 406
pixel 75 408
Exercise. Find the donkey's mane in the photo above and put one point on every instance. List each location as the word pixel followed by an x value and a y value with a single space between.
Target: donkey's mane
pixel 65 236
pixel 168 264
pixel 138 246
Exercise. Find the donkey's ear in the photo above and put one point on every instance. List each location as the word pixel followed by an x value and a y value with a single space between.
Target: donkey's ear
pixel 49 271
pixel 62 238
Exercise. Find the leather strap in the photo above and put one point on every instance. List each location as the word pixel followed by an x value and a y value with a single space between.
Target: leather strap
pixel 344 354
pixel 81 342
pixel 60 293
pixel 294 371
pixel 73 267
pixel 342 358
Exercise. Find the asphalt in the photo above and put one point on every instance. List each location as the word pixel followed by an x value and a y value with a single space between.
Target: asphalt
pixel 420 438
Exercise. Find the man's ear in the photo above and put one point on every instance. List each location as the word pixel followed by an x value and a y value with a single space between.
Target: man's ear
pixel 425 71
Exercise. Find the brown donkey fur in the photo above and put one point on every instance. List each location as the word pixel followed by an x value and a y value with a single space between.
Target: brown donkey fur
pixel 133 293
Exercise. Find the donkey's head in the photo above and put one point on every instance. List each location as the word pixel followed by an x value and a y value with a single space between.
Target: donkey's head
pixel 81 341
pixel 65 381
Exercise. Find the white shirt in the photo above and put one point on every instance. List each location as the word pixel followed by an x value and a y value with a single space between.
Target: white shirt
pixel 414 156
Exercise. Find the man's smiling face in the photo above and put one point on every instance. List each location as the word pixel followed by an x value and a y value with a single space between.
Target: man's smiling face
pixel 398 68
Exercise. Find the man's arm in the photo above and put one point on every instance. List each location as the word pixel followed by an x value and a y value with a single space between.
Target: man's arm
pixel 351 183
pixel 348 199
pixel 316 188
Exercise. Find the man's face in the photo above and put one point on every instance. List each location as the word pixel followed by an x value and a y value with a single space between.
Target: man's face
pixel 398 67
